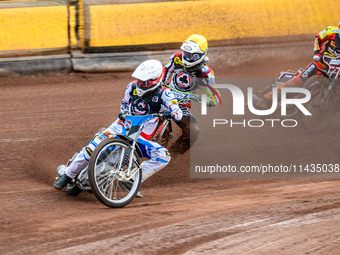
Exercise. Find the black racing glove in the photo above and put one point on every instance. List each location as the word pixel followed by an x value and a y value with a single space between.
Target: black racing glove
pixel 167 115
pixel 121 116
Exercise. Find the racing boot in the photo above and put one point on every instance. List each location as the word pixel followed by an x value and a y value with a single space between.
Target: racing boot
pixel 62 181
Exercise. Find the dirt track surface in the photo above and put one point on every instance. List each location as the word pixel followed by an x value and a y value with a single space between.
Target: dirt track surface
pixel 44 120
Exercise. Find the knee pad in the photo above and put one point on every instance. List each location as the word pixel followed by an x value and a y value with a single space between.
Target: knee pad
pixel 163 155
pixel 309 71
pixel 93 143
pixel 87 152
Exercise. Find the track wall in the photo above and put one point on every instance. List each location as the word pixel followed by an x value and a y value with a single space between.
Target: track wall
pixel 72 33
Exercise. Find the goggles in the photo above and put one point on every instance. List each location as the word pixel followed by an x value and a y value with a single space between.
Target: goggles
pixel 148 83
pixel 191 57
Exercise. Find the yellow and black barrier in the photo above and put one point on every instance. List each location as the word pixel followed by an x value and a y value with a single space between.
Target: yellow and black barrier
pixel 31 28
pixel 75 29
pixel 162 24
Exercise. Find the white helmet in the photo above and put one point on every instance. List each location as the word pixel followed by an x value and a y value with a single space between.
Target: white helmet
pixel 194 50
pixel 148 75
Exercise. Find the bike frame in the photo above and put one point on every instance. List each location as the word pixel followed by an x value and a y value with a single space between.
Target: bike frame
pixel 333 64
pixel 333 72
pixel 132 135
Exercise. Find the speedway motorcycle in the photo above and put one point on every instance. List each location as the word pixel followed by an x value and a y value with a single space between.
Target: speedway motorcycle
pixel 114 172
pixel 324 90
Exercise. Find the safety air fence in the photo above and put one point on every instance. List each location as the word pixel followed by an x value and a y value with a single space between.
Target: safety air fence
pixel 60 36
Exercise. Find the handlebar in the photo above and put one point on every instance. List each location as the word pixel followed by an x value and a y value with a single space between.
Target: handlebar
pixel 180 95
pixel 122 116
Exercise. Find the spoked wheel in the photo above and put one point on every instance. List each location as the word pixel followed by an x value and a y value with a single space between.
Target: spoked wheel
pixel 321 104
pixel 108 173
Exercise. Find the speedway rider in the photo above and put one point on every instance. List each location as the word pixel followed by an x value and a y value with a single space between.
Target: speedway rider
pixel 189 70
pixel 143 96
pixel 326 42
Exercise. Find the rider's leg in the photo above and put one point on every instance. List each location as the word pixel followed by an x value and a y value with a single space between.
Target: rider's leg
pixel 190 133
pixel 158 156
pixel 190 129
pixel 82 158
pixel 79 162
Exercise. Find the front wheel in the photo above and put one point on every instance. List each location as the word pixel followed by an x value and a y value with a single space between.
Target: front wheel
pixel 321 104
pixel 108 173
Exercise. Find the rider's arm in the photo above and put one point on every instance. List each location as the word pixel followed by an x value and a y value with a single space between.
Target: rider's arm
pixel 125 104
pixel 321 39
pixel 170 102
pixel 168 69
pixel 208 82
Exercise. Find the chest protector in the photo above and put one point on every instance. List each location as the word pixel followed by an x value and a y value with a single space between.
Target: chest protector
pixel 147 105
pixel 184 81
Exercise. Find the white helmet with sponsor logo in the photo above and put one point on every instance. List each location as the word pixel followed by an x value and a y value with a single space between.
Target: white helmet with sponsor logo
pixel 148 75
pixel 194 50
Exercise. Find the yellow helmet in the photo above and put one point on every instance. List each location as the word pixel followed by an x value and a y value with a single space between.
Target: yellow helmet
pixel 194 50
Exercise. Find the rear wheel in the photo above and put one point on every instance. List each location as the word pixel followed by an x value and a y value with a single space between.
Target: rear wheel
pixel 108 173
pixel 321 104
